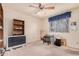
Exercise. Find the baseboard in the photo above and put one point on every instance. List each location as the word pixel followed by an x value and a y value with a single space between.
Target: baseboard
pixel 70 48
pixel 33 41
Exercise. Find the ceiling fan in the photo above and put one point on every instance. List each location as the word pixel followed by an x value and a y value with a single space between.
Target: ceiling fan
pixel 41 6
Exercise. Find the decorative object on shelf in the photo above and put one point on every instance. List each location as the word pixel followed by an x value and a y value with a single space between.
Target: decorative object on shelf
pixel 18 27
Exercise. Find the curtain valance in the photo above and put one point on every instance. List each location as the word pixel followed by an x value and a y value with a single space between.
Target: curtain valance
pixel 61 16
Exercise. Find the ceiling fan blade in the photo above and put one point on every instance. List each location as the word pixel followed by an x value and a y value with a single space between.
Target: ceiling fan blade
pixel 37 11
pixel 33 6
pixel 39 5
pixel 49 8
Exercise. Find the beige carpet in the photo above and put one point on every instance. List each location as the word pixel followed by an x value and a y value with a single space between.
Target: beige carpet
pixel 39 49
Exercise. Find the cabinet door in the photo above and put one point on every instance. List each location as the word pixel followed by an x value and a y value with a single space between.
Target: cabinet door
pixel 1 26
pixel 1 44
pixel 1 11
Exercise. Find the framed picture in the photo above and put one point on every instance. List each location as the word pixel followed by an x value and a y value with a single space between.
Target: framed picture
pixel 74 26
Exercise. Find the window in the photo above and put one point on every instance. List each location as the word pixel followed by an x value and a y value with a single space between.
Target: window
pixel 60 23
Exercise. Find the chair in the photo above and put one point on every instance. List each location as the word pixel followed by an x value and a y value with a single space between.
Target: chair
pixel 46 39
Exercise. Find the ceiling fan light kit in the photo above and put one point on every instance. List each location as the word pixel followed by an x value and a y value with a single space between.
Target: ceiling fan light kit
pixel 42 6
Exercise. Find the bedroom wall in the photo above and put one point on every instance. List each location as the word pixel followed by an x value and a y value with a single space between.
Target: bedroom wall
pixel 72 37
pixel 32 24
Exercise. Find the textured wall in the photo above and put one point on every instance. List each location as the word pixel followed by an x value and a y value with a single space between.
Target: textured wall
pixel 32 24
pixel 73 36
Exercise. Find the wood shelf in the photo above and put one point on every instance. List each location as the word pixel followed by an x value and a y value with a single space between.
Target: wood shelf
pixel 1 29
pixel 19 24
pixel 18 30
pixel 18 27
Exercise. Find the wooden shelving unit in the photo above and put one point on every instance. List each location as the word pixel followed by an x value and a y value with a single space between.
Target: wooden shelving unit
pixel 1 26
pixel 18 27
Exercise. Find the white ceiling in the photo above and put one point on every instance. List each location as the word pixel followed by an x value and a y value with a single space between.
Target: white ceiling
pixel 59 8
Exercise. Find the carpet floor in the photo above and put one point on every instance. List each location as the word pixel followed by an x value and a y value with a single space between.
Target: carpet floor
pixel 39 49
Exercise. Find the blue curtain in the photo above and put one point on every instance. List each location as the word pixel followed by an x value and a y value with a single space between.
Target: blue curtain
pixel 61 16
pixel 59 23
